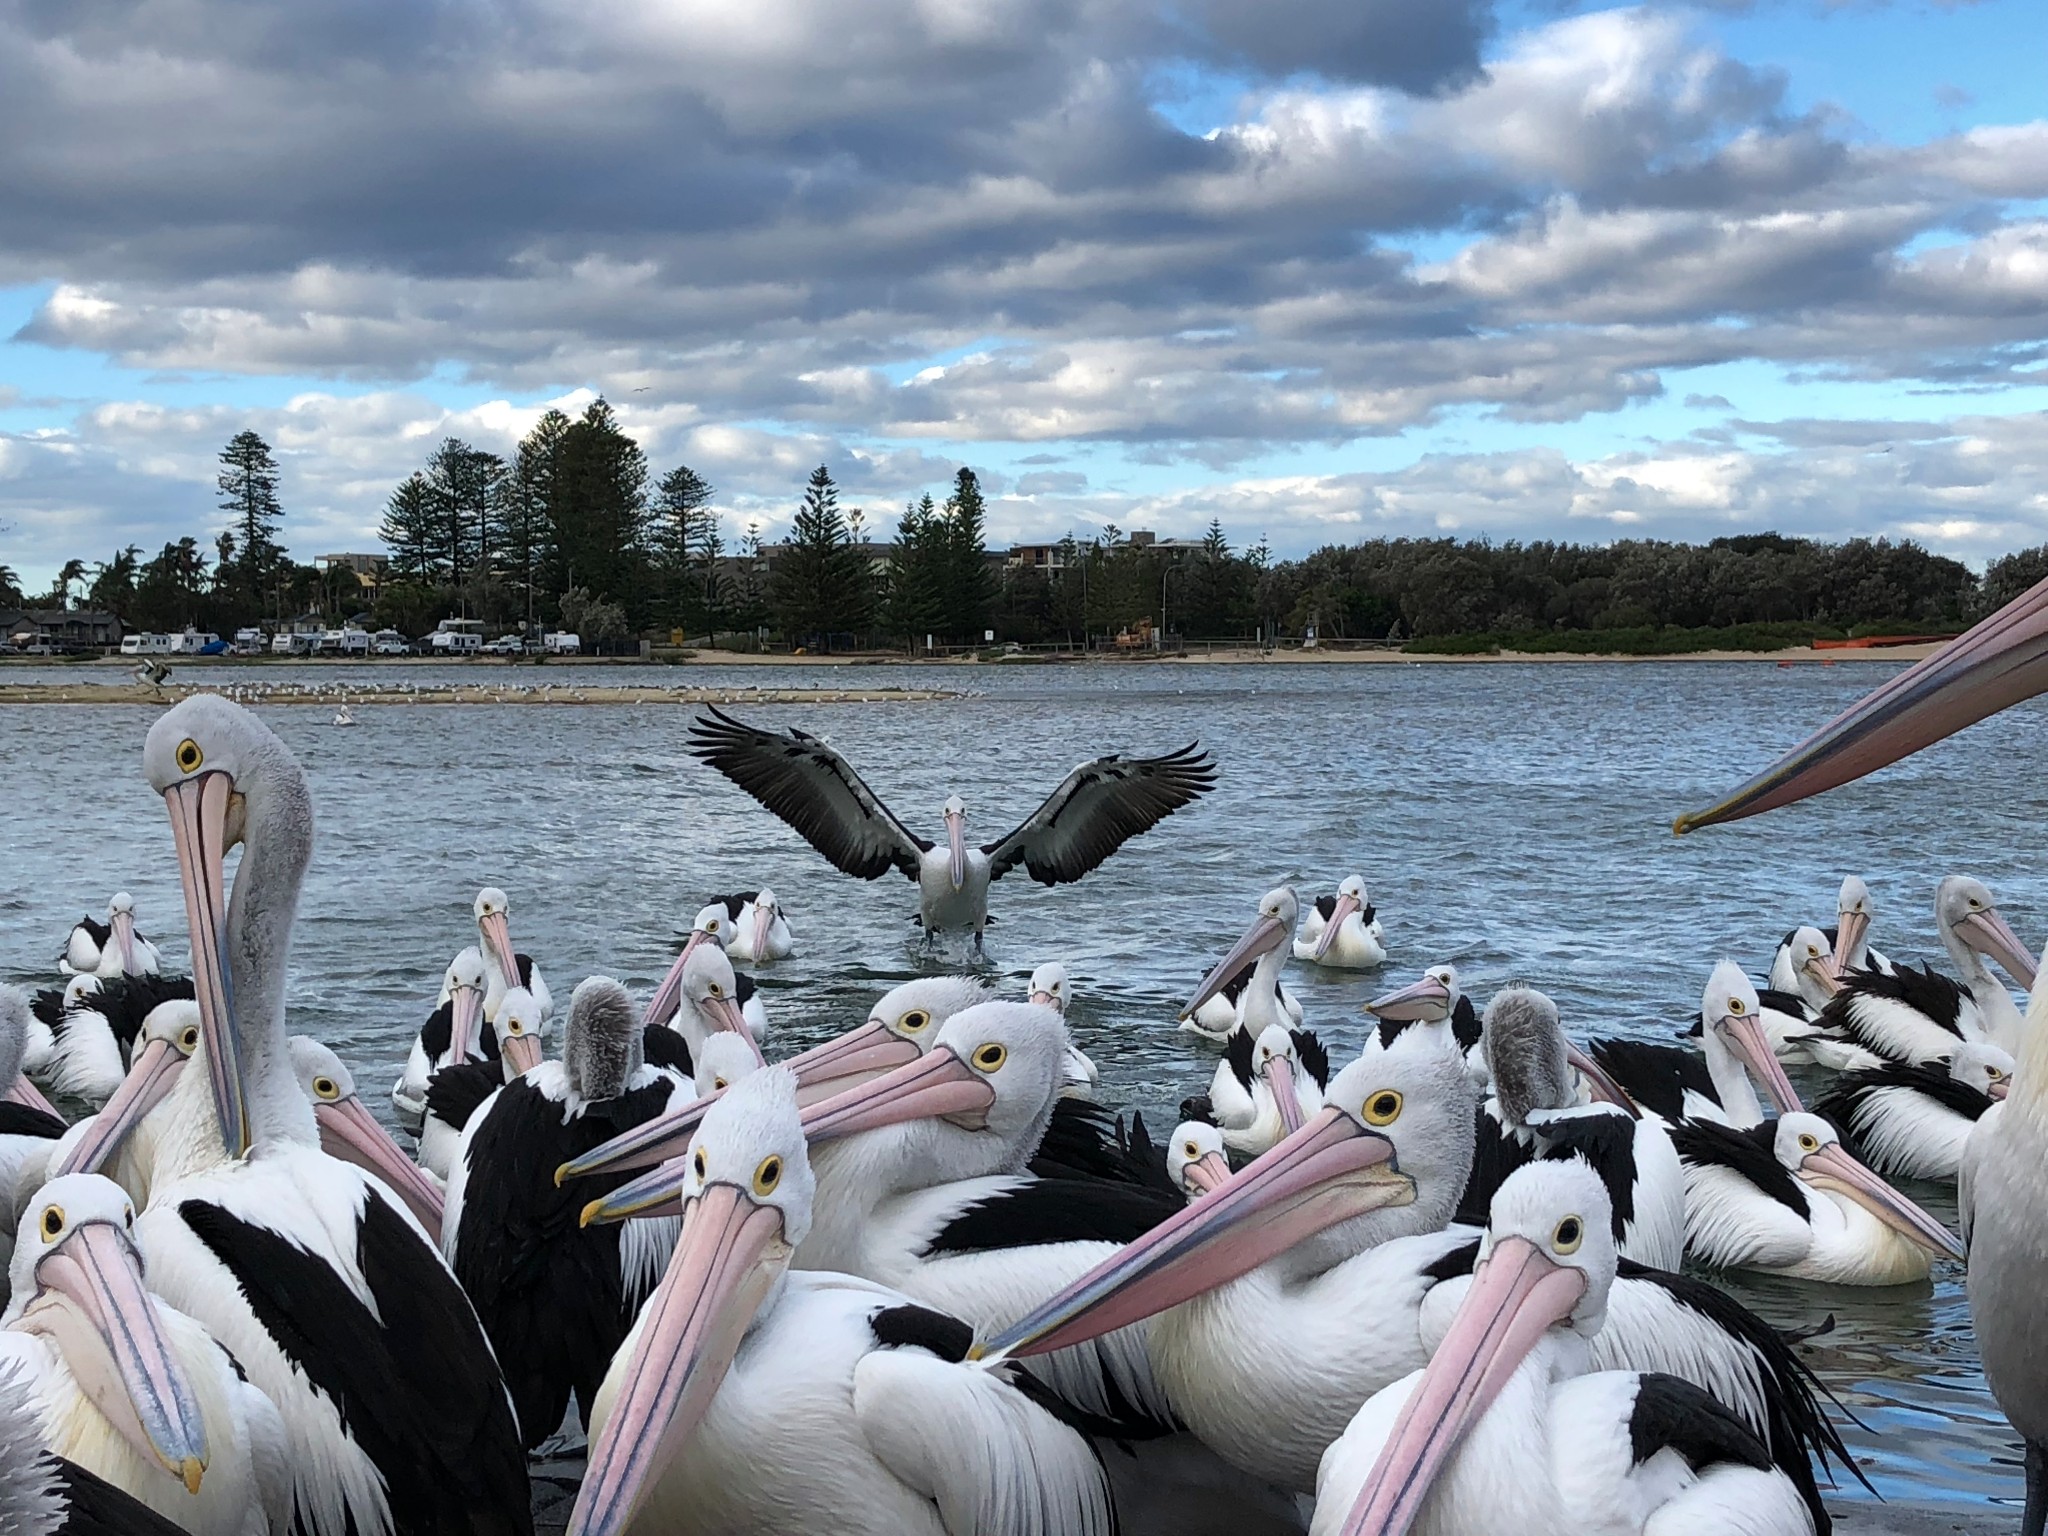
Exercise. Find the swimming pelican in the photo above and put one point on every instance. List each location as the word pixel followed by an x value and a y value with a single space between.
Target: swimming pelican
pixel 1342 931
pixel 735 1361
pixel 1509 1427
pixel 112 948
pixel 452 1031
pixel 1785 1198
pixel 707 1000
pixel 1049 989
pixel 306 1268
pixel 130 1388
pixel 760 932
pixel 1848 940
pixel 93 1037
pixel 1435 1000
pixel 456 1090
pixel 1263 947
pixel 505 969
pixel 1675 1085
pixel 550 1293
pixel 44 1495
pixel 1195 1160
pixel 1099 807
pixel 1912 1122
pixel 1264 1089
pixel 714 925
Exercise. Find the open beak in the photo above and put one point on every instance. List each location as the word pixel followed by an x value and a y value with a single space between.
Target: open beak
pixel 937 1086
pixel 199 822
pixel 1991 936
pixel 1279 1074
pixel 1517 1294
pixel 1604 1089
pixel 1832 1168
pixel 1427 1000
pixel 1745 1036
pixel 155 1072
pixel 92 1305
pixel 669 995
pixel 1329 1171
pixel 724 1264
pixel 1262 938
pixel 495 928
pixel 1850 927
pixel 349 1134
pixel 1346 905
pixel 466 1020
pixel 1994 665
pixel 956 844
pixel 124 935
pixel 1205 1175
pixel 29 1096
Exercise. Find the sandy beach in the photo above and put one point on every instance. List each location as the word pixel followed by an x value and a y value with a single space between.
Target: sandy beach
pixel 399 694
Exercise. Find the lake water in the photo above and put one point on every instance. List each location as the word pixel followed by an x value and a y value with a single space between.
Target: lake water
pixel 1513 819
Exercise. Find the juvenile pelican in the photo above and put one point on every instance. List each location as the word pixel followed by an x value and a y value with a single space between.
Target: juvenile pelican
pixel 734 1356
pixel 1342 931
pixel 1097 809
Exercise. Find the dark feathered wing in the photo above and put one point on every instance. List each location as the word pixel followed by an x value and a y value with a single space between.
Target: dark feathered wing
pixel 1101 806
pixel 812 788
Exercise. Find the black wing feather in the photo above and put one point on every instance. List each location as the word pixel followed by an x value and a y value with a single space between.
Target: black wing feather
pixel 97 1508
pixel 1655 1076
pixel 1747 1153
pixel 1071 1210
pixel 1098 808
pixel 27 1120
pixel 454 1093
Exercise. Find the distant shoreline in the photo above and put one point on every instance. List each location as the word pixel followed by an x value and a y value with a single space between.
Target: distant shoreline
pixel 339 694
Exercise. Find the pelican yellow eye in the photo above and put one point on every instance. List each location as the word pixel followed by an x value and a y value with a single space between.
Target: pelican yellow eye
pixel 914 1020
pixel 188 1038
pixel 987 1058
pixel 1569 1234
pixel 717 990
pixel 52 1222
pixel 1736 1007
pixel 1809 1143
pixel 1975 904
pixel 1383 1108
pixel 768 1175
pixel 325 1088
pixel 718 1084
pixel 190 757
pixel 698 1163
pixel 515 1028
pixel 1191 1149
pixel 712 926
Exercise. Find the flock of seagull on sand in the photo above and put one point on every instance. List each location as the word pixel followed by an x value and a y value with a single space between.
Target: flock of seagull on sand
pixel 913 1278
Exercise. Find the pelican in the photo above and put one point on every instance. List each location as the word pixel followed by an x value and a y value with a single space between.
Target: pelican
pixel 92 1038
pixel 112 948
pixel 45 1495
pixel 734 1357
pixel 29 1128
pixel 1097 809
pixel 760 932
pixel 1195 1159
pixel 349 1132
pixel 1342 931
pixel 505 968
pixel 1433 1000
pixel 329 1294
pixel 1263 947
pixel 1848 940
pixel 1785 1198
pixel 707 1000
pixel 714 925
pixel 451 1032
pixel 121 1139
pixel 1912 1122
pixel 552 1295
pixel 1264 1089
pixel 1675 1085
pixel 455 1090
pixel 129 1388
pixel 1509 1426
pixel 1049 989
pixel 1536 1112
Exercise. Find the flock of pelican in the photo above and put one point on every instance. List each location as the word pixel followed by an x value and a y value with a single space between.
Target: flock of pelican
pixel 913 1279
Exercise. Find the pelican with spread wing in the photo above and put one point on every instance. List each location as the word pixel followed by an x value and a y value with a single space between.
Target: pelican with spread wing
pixel 1099 807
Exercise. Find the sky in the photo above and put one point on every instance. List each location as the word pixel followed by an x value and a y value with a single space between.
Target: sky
pixel 1323 270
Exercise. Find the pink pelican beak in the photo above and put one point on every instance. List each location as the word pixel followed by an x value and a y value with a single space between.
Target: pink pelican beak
pixel 723 1012
pixel 1832 1168
pixel 1426 1001
pixel 1604 1088
pixel 199 808
pixel 1205 1175
pixel 466 1021
pixel 668 996
pixel 1518 1293
pixel 28 1095
pixel 939 1086
pixel 1998 1088
pixel 1996 664
pixel 763 919
pixel 956 843
pixel 495 928
pixel 1329 1171
pixel 1849 930
pixel 1825 970
pixel 1744 1033
pixel 153 1075
pixel 725 1263
pixel 124 935
pixel 1263 937
pixel 1279 1074
pixel 522 1053
pixel 1991 935
pixel 351 1135
pixel 1346 905
pixel 91 1304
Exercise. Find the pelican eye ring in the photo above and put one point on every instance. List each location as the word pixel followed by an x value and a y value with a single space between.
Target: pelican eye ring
pixel 712 926
pixel 768 1175
pixel 325 1088
pixel 697 1162
pixel 1191 1149
pixel 716 990
pixel 52 1222
pixel 189 758
pixel 914 1020
pixel 1383 1108
pixel 987 1058
pixel 1737 1008
pixel 188 1038
pixel 514 1027
pixel 1809 1142
pixel 1569 1234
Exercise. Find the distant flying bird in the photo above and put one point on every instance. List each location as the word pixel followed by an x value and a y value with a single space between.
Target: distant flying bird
pixel 1099 807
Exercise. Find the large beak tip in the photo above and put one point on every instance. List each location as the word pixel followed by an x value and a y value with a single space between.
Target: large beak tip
pixel 192 1471
pixel 590 1213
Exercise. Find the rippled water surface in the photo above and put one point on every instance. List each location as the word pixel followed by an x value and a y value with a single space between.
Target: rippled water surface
pixel 1514 819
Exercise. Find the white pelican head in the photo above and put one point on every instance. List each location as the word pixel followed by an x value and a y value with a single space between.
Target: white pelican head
pixel 1983 1066
pixel 1731 1017
pixel 1049 986
pixel 350 1133
pixel 1195 1160
pixel 1811 1150
pixel 1969 918
pixel 1853 912
pixel 493 910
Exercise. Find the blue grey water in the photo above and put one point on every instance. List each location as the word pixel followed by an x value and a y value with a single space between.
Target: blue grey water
pixel 1513 819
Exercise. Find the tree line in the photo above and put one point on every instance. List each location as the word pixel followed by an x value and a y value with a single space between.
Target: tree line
pixel 576 529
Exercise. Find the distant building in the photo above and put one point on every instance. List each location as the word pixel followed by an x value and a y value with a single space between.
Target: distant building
pixel 369 569
pixel 71 629
pixel 1044 558
pixel 1145 538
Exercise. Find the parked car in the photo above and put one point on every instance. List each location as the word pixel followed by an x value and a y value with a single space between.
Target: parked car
pixel 506 645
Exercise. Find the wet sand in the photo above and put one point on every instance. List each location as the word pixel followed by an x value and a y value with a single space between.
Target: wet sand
pixel 400 695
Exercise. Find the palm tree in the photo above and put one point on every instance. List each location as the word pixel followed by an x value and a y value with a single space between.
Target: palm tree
pixel 10 586
pixel 60 591
pixel 113 581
